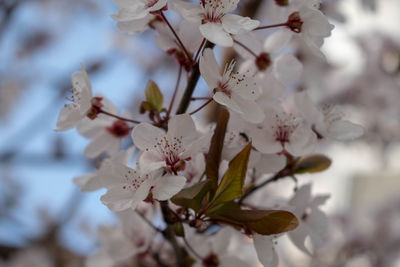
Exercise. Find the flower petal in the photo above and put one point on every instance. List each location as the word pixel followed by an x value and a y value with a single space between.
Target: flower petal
pixel 236 24
pixel 167 186
pixel 209 68
pixel 215 33
pixel 265 250
pixel 145 136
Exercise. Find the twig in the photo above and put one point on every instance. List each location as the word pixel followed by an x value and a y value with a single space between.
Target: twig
pixel 246 48
pixel 118 117
pixel 270 26
pixel 201 107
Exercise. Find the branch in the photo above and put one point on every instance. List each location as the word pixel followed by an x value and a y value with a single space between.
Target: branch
pixel 193 79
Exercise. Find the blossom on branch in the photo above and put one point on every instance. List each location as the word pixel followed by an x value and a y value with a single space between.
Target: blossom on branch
pixel 237 91
pixel 215 25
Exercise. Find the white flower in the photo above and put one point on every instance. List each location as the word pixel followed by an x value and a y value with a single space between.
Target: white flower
pixel 327 123
pixel 106 132
pixel 134 15
pixel 105 173
pixel 216 26
pixel 264 60
pixel 81 104
pixel 236 91
pixel 217 250
pixel 130 188
pixel 172 150
pixel 120 243
pixel 282 132
pixel 194 169
pixel 265 249
pixel 313 222
pixel 307 22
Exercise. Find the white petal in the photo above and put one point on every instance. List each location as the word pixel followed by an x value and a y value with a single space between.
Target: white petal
pixel 103 142
pixel 277 40
pixel 302 141
pixel 209 68
pixel 182 126
pixel 117 198
pixel 298 237
pixel 251 112
pixel 130 13
pixel 150 161
pixel 236 24
pixel 223 99
pixel 167 186
pixel 145 136
pixel 287 68
pixel 69 116
pixel 301 200
pixel 189 11
pixel 265 250
pixel 344 130
pixel 90 128
pixel 134 26
pixel 308 109
pixel 264 141
pixel 158 5
pixel 215 33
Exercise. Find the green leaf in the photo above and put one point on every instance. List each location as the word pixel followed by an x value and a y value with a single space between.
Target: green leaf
pixel 153 96
pixel 214 153
pixel 178 229
pixel 311 164
pixel 192 197
pixel 231 186
pixel 145 106
pixel 264 222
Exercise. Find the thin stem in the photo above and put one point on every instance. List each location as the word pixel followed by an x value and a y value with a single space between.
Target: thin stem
pixel 201 107
pixel 175 91
pixel 270 26
pixel 254 189
pixel 246 48
pixel 199 98
pixel 148 221
pixel 118 117
pixel 176 36
pixel 191 249
pixel 199 50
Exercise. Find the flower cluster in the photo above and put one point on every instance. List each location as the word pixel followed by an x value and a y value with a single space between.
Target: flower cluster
pixel 200 179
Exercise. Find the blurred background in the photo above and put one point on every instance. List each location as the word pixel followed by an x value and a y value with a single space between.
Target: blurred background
pixel 42 43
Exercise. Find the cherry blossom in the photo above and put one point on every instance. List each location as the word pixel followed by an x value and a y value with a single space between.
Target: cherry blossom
pixel 282 132
pixel 327 122
pixel 263 58
pixel 103 177
pixel 234 90
pixel 81 99
pixel 130 188
pixel 172 150
pixel 118 244
pixel 313 221
pixel 135 15
pixel 266 253
pixel 216 26
pixel 105 132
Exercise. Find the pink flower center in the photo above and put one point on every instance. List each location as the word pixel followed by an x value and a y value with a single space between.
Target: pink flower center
pixel 213 10
pixel 119 129
pixel 284 128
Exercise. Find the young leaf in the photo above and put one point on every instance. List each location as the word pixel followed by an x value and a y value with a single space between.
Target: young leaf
pixel 153 96
pixel 264 222
pixel 192 197
pixel 214 153
pixel 231 186
pixel 313 163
